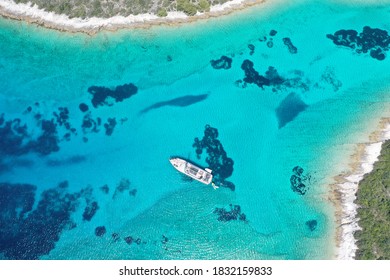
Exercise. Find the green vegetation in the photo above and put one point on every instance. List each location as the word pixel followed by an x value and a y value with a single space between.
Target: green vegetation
pixel 204 6
pixel 162 12
pixel 109 8
pixel 187 7
pixel 373 198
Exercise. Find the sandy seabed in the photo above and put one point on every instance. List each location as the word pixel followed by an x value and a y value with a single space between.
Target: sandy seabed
pixel 346 185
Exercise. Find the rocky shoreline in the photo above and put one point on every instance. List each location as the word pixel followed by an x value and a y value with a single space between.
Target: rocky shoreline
pixel 346 188
pixel 32 14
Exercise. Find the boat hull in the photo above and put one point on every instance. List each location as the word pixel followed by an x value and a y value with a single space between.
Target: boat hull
pixel 195 172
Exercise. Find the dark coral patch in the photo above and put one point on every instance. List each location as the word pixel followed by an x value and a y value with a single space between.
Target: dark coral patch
pixel 43 138
pixel 378 54
pixel 223 63
pixel 252 76
pixel 100 231
pixel 12 135
pixel 311 224
pixel 128 240
pixel 90 211
pixel 230 215
pixel 15 201
pixel 91 204
pixel 83 107
pixel 273 32
pixel 115 237
pixel 217 158
pixel 109 126
pixel 133 192
pixel 105 189
pixel 123 185
pixel 371 40
pixel 15 139
pixel 164 239
pixel 330 78
pixel 62 120
pixel 299 181
pixel 90 125
pixel 271 77
pixel 291 48
pixel 104 96
pixel 289 109
pixel 38 116
pixel 48 141
pixel 63 185
pixel 251 47
pixel 262 39
pixel 33 235
pixel 62 116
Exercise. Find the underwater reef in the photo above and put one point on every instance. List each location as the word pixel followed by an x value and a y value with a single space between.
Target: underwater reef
pixel 374 41
pixel 217 159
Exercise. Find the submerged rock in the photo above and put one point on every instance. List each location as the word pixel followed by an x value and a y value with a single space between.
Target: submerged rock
pixel 128 240
pixel 115 237
pixel 109 126
pixel 103 96
pixel 291 48
pixel 223 63
pixel 299 181
pixel 89 124
pixel 124 185
pixel 83 107
pixel 251 47
pixel 311 224
pixel 234 214
pixel 271 77
pixel 252 76
pixel 105 189
pixel 100 231
pixel 90 211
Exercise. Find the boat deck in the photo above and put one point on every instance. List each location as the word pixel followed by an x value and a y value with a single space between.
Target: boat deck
pixel 192 170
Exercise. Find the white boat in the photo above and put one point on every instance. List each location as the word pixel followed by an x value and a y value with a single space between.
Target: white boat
pixel 195 172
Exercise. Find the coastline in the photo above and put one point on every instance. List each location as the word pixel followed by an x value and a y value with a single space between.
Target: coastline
pixel 347 184
pixel 346 187
pixel 32 14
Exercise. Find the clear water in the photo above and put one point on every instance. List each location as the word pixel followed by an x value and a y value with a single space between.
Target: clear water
pixel 174 218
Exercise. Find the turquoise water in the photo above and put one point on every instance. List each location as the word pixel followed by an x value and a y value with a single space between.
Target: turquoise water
pixel 330 98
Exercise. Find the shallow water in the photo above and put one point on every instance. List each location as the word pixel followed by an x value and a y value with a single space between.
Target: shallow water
pixel 316 103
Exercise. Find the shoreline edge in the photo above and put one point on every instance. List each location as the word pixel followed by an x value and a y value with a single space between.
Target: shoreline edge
pixel 346 187
pixel 32 14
